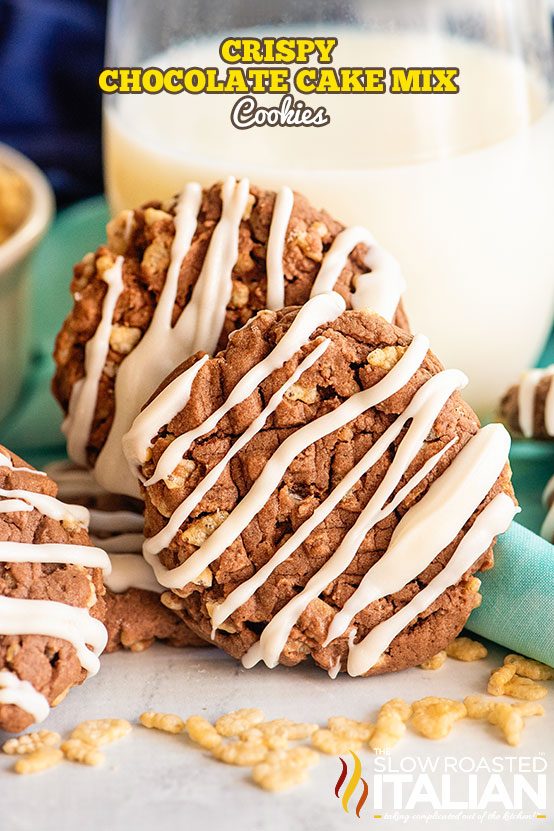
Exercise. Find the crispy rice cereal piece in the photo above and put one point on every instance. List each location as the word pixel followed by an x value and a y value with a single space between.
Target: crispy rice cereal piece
pixel 509 717
pixel 30 742
pixel 202 732
pixel 525 689
pixel 275 740
pixel 342 726
pixel 327 741
pixel 240 752
pixel 435 717
pixel 97 732
pixel 76 750
pixel 529 668
pixel 277 733
pixel 282 770
pixel 505 681
pixel 168 722
pixel 510 721
pixel 238 721
pixel 466 649
pixel 477 706
pixel 529 708
pixel 435 662
pixel 390 725
pixel 499 678
pixel 39 760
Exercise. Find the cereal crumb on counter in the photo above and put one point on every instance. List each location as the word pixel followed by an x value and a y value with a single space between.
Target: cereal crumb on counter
pixel 39 760
pixel 101 731
pixel 283 770
pixel 506 681
pixel 30 742
pixel 390 725
pixel 241 752
pixel 508 717
pixel 167 722
pixel 202 732
pixel 333 743
pixel 529 668
pixel 76 750
pixel 236 722
pixel 466 649
pixel 435 717
pixel 435 662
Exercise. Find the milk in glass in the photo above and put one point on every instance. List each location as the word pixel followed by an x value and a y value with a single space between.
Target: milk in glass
pixel 458 187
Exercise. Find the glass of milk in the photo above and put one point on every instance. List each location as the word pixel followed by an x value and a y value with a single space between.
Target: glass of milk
pixel 459 187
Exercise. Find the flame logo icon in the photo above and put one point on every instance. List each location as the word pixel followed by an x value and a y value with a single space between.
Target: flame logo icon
pixel 352 784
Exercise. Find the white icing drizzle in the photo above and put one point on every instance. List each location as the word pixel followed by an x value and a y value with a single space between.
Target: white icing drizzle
pixel 423 410
pixel 380 289
pixel 284 202
pixel 320 310
pixel 117 532
pixel 334 669
pixel 163 346
pixel 432 523
pixel 425 530
pixel 82 555
pixel 274 470
pixel 82 403
pixel 526 400
pixel 8 506
pixel 494 519
pixel 5 461
pixel 547 529
pixel 47 617
pixel 22 693
pixel 211 478
pixel 160 349
pixel 56 620
pixel 131 571
pixel 202 318
pixel 49 506
pixel 138 441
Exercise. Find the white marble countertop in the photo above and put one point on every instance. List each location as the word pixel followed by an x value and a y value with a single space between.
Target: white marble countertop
pixel 158 781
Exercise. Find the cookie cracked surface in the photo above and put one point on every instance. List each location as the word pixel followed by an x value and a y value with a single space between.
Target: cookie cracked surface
pixel 363 348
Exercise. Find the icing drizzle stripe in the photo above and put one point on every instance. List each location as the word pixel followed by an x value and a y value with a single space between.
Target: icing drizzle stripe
pixel 273 472
pixel 82 403
pixel 56 620
pixel 318 311
pixel 22 693
pixel 284 202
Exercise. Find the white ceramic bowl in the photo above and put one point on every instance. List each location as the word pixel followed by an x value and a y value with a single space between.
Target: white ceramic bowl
pixel 15 253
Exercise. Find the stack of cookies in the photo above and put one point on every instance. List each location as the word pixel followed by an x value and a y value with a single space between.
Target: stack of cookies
pixel 238 368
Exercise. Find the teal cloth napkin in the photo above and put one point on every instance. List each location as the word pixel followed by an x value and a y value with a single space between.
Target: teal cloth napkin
pixel 518 594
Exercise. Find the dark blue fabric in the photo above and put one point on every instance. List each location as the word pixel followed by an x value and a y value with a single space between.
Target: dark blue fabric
pixel 50 108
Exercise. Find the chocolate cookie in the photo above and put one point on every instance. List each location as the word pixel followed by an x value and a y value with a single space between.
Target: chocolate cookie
pixel 179 277
pixel 321 489
pixel 528 407
pixel 51 592
pixel 133 613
